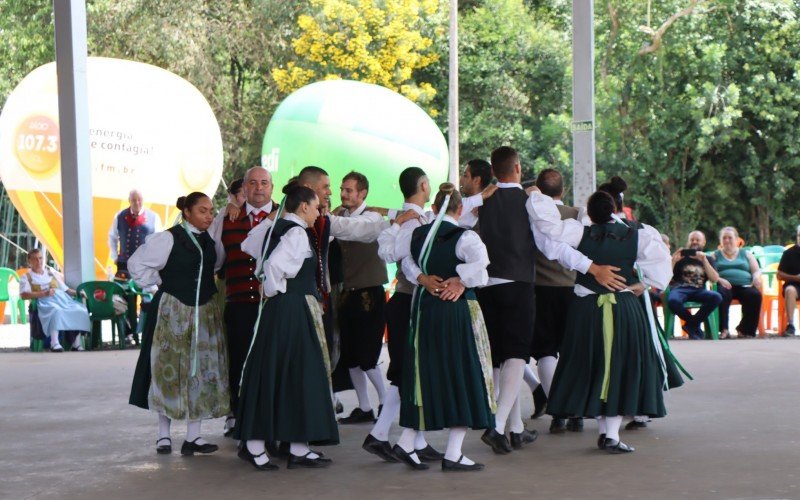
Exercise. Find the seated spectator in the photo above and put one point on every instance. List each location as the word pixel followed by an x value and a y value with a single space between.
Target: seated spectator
pixel 789 272
pixel 57 311
pixel 691 269
pixel 740 279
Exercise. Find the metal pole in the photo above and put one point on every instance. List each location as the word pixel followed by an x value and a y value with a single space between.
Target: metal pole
pixel 73 118
pixel 583 140
pixel 452 95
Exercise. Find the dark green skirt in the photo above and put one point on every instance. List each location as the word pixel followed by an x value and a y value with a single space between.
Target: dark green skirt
pixel 451 380
pixel 635 381
pixel 285 393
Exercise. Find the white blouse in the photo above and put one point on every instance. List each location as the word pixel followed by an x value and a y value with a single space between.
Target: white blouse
pixel 469 248
pixel 395 241
pixel 286 260
pixel 42 280
pixel 363 228
pixel 152 256
pixel 652 256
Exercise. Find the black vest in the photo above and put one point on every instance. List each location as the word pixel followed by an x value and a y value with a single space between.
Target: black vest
pixel 506 232
pixel 179 276
pixel 611 244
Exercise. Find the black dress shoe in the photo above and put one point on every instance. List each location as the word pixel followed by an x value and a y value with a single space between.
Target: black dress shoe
pixel 450 466
pixel 191 447
pixel 377 447
pixel 524 437
pixel 539 402
pixel 497 441
pixel 339 408
pixel 558 426
pixel 164 449
pixel 601 442
pixel 615 446
pixel 575 424
pixel 405 457
pixel 633 425
pixel 305 461
pixel 429 454
pixel 245 455
pixel 358 416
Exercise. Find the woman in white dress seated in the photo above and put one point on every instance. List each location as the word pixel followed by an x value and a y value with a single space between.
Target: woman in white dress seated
pixel 57 310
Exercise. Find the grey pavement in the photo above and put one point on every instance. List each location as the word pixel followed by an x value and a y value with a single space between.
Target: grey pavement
pixel 67 432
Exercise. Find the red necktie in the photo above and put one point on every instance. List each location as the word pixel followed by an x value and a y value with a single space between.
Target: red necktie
pixel 258 217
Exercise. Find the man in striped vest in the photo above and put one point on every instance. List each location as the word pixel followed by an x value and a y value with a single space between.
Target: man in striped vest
pixel 242 291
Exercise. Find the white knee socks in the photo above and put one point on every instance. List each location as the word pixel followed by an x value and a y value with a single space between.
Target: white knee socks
pixel 510 380
pixel 256 448
pixel 376 378
pixel 530 378
pixel 391 408
pixel 301 450
pixel 496 381
pixel 515 424
pixel 547 368
pixel 612 427
pixel 163 426
pixel 454 442
pixel 359 379
pixel 406 442
pixel 193 432
pixel 601 425
pixel 419 441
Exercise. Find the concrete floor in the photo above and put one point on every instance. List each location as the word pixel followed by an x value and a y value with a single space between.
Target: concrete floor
pixel 67 432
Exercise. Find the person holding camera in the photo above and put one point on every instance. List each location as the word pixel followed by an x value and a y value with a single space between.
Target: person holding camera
pixel 691 269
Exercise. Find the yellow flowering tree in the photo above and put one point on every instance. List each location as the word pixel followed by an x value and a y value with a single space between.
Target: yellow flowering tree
pixel 375 41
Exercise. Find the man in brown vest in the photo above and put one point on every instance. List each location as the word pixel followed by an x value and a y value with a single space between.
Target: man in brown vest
pixel 361 307
pixel 241 285
pixel 554 293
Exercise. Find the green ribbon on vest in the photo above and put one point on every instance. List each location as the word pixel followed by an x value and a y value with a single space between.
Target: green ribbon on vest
pixel 607 301
pixel 196 300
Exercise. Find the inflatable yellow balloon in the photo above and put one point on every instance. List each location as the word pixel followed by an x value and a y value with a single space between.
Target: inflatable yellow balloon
pixel 149 130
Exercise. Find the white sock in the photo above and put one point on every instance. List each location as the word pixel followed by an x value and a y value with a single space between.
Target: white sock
pixel 496 381
pixel 163 427
pixel 419 441
pixel 391 408
pixel 301 450
pixel 612 427
pixel 406 442
pixel 454 442
pixel 54 342
pixel 530 378
pixel 515 424
pixel 510 380
pixel 547 368
pixel 376 378
pixel 193 432
pixel 256 448
pixel 359 379
pixel 601 425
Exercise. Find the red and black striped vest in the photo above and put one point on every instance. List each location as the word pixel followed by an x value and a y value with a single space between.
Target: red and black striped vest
pixel 241 284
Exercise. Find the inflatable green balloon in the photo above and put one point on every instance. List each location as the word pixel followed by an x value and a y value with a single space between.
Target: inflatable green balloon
pixel 343 125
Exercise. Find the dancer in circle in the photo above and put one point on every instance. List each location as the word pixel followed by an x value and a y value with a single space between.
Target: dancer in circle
pixel 447 372
pixel 182 372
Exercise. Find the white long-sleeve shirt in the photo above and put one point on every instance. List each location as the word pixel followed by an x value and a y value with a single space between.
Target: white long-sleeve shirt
pixel 652 255
pixel 394 242
pixel 152 256
pixel 286 260
pixel 470 249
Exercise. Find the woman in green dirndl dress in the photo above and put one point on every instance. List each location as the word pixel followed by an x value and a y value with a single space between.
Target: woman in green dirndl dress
pixel 610 365
pixel 447 375
pixel 182 372
pixel 285 392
